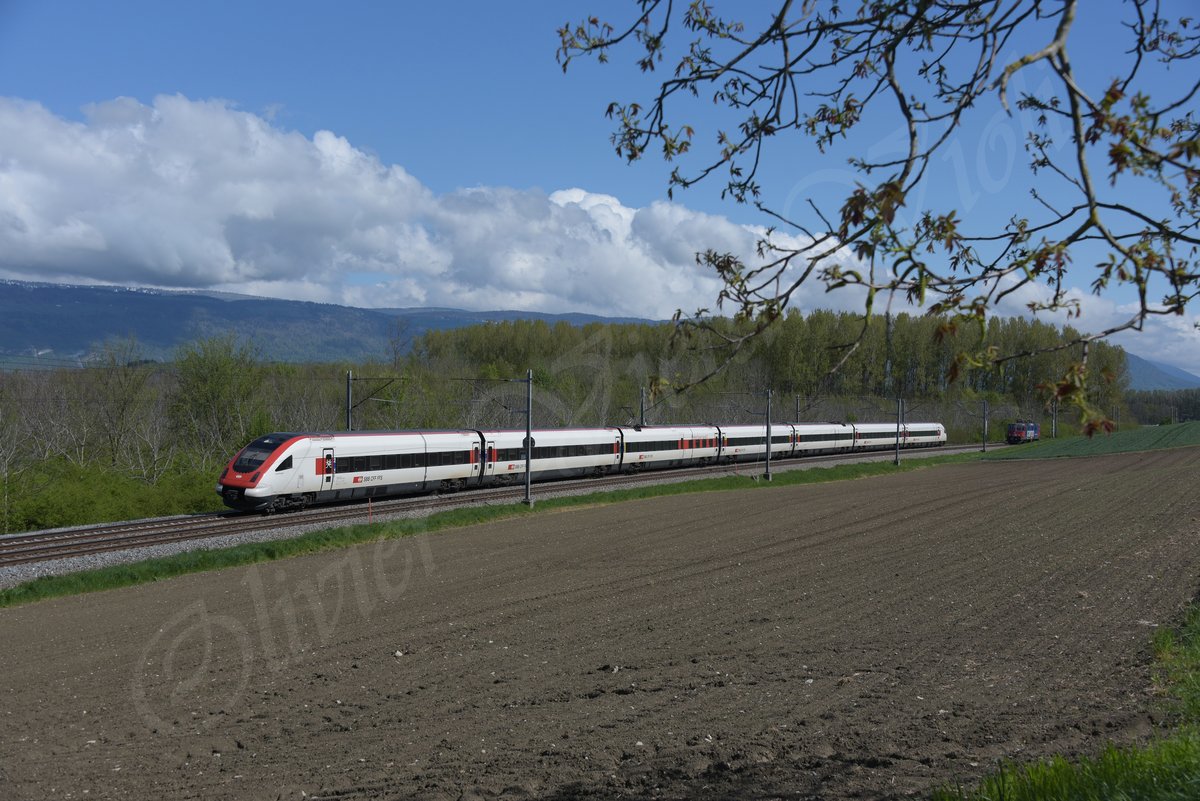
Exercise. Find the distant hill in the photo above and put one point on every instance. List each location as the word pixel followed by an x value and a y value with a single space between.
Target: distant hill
pixel 1146 375
pixel 57 322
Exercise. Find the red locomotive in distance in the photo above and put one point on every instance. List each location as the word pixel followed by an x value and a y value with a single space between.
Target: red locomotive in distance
pixel 1023 431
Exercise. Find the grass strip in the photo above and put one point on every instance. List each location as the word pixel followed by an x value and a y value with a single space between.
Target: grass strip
pixel 159 569
pixel 1166 769
pixel 1145 438
pixel 1177 653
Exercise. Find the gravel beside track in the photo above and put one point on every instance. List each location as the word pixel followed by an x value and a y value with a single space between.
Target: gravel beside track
pixel 865 639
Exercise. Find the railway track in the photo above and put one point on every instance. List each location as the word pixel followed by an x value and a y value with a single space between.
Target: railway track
pixel 44 546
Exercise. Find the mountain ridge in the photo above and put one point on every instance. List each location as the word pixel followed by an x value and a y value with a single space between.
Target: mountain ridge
pixel 67 321
pixel 71 320
pixel 1146 374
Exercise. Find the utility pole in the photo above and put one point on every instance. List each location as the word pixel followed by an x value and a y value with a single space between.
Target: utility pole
pixel 899 427
pixel 529 438
pixel 642 410
pixel 349 399
pixel 985 424
pixel 767 474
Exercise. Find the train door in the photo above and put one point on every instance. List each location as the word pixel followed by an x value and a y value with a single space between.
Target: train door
pixel 329 464
pixel 476 467
pixel 489 458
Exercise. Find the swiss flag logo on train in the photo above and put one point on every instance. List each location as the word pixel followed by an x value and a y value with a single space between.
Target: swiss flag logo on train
pixel 358 479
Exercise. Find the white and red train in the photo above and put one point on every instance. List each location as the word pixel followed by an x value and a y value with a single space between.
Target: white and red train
pixel 293 470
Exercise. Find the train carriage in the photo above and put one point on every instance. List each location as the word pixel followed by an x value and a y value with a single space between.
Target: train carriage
pixel 874 436
pixel 749 443
pixel 557 453
pixel 657 447
pixel 924 435
pixel 812 439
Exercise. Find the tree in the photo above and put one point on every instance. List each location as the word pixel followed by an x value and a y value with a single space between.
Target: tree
pixel 217 406
pixel 1111 163
pixel 14 435
pixel 117 391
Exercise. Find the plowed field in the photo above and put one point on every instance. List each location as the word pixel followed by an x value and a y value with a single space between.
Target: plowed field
pixel 866 639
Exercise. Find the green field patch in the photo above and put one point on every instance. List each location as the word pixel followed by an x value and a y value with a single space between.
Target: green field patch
pixel 1145 438
pixel 117 576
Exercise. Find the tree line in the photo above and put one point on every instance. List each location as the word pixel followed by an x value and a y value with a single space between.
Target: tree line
pixel 1163 407
pixel 128 437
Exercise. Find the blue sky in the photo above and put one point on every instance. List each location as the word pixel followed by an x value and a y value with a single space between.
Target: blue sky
pixel 460 94
pixel 392 154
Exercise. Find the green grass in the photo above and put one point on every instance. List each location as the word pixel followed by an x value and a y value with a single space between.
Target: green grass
pixel 1146 438
pixel 1178 666
pixel 1167 769
pixel 217 559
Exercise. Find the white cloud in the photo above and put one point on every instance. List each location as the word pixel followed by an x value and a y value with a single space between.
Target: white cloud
pixel 198 194
pixel 1171 339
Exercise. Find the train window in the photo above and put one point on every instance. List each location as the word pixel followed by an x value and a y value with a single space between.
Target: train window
pixel 286 464
pixel 251 457
pixel 444 458
pixel 375 462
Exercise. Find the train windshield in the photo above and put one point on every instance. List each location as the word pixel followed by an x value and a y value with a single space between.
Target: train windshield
pixel 257 452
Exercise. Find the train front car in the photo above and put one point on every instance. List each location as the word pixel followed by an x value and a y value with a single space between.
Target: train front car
pixel 248 482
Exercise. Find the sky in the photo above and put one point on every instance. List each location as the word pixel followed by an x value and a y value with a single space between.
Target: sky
pixel 393 154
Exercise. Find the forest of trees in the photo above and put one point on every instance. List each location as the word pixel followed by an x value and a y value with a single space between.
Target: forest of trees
pixel 1160 406
pixel 126 437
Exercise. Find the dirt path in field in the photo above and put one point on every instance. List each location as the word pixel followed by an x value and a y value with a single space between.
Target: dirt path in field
pixel 867 639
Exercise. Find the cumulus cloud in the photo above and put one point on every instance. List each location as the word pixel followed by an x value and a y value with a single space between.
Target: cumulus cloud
pixel 1170 339
pixel 199 194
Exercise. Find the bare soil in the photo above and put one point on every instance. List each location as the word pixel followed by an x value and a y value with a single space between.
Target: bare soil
pixel 867 639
